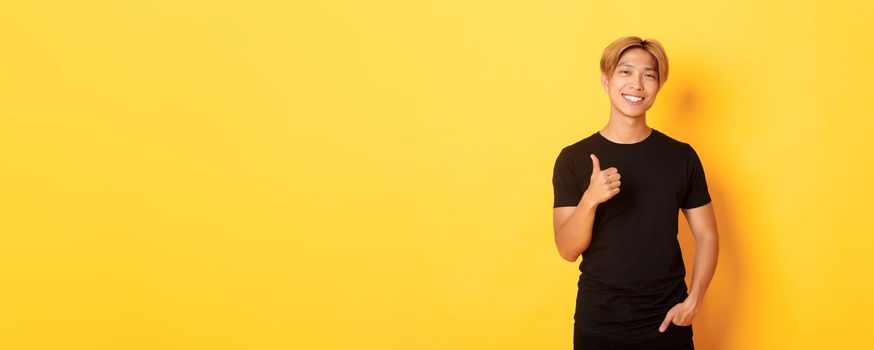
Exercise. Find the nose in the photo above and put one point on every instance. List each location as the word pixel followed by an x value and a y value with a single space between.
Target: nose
pixel 637 84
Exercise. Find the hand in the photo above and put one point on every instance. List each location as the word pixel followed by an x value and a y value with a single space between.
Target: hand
pixel 681 314
pixel 603 184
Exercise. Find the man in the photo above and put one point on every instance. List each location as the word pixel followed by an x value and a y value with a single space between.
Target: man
pixel 617 197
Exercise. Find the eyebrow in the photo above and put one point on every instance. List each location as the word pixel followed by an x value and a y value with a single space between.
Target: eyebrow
pixel 632 66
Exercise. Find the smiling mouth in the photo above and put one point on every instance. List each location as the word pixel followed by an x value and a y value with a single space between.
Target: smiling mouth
pixel 632 98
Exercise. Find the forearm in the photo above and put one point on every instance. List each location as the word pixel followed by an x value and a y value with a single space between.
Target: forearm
pixel 575 234
pixel 706 256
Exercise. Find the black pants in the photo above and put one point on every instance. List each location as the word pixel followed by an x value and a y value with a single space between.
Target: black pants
pixel 668 341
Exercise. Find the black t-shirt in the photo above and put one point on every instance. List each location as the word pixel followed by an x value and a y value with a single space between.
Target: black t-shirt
pixel 632 273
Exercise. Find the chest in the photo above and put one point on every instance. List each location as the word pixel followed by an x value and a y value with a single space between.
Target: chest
pixel 652 178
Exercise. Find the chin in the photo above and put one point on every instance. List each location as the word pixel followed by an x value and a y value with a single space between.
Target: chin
pixel 633 113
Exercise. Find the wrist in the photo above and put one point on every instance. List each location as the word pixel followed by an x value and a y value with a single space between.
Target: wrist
pixel 587 202
pixel 694 299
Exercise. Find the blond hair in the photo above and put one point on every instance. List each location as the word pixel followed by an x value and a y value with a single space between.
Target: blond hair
pixel 612 53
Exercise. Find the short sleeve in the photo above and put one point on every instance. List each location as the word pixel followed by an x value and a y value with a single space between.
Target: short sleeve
pixel 566 189
pixel 697 193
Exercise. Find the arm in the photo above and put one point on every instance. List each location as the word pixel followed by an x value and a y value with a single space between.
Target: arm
pixel 702 221
pixel 573 227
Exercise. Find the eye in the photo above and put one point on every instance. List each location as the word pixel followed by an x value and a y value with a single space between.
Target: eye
pixel 651 76
pixel 623 71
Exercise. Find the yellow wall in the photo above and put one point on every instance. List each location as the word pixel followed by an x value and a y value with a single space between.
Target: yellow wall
pixel 376 174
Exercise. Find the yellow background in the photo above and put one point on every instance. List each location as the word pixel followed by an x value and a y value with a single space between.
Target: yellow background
pixel 377 174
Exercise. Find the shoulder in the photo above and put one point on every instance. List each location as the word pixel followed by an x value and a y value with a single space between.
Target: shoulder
pixel 687 154
pixel 576 154
pixel 677 146
pixel 672 141
pixel 581 147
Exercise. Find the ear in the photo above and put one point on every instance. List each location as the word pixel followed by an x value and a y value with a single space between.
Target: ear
pixel 604 81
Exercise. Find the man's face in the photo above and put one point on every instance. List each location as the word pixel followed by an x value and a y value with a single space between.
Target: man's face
pixel 636 76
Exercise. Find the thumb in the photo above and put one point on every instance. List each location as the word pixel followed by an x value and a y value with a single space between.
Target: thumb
pixel 596 164
pixel 666 322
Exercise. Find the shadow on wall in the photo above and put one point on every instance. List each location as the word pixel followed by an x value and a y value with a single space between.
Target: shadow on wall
pixel 688 112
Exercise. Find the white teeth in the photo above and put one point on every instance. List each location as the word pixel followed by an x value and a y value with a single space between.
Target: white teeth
pixel 632 98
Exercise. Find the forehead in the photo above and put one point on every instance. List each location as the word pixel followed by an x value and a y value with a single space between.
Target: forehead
pixel 637 57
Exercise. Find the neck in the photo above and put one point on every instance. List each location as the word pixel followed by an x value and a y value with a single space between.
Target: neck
pixel 624 129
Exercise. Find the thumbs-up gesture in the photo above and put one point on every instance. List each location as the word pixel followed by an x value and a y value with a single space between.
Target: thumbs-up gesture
pixel 604 184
